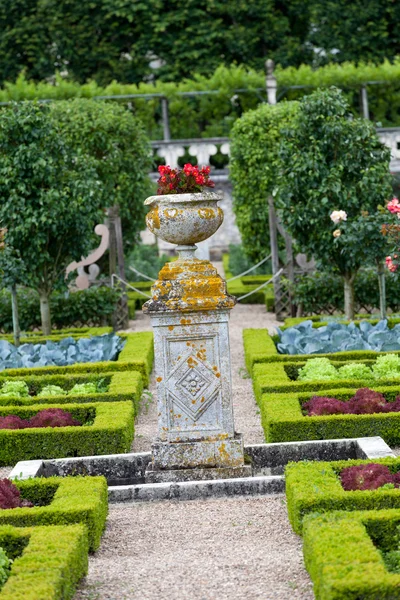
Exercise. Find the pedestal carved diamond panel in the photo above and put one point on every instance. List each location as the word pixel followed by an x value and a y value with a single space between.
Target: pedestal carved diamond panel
pixel 193 386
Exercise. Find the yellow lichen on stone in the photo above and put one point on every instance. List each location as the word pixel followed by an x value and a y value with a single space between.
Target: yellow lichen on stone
pixel 206 213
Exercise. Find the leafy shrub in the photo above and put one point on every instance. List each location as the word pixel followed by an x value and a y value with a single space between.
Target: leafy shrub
pixel 5 564
pixel 368 477
pixel 239 262
pixel 337 337
pixel 364 402
pixel 94 306
pixel 322 292
pixel 67 352
pixel 385 367
pixel 145 258
pixel 84 388
pixel 50 417
pixel 10 496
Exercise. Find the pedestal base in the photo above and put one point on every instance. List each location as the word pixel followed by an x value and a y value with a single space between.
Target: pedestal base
pixel 222 453
pixel 176 475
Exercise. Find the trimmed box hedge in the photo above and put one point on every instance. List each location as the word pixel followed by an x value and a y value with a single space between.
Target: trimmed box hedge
pixel 137 355
pixel 122 385
pixel 315 487
pixel 62 501
pixel 283 420
pixel 342 554
pixel 37 337
pixel 278 378
pixel 48 561
pixel 111 432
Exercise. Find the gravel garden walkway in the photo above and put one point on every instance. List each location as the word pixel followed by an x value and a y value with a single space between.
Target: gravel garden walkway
pixel 217 549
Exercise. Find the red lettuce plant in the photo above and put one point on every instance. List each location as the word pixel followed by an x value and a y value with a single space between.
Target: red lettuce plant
pixel 50 417
pixel 364 402
pixel 10 496
pixel 188 180
pixel 368 477
pixel 13 422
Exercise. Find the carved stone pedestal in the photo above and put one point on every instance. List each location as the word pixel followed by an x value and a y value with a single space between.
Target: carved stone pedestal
pixel 189 310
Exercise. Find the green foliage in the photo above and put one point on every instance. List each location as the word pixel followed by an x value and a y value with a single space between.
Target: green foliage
pixel 315 487
pixel 92 306
pixel 111 432
pixel 113 39
pixel 62 501
pixel 50 198
pixel 239 262
pixel 255 140
pixel 317 368
pixel 387 366
pixel 357 371
pixel 331 162
pixel 14 388
pixel 54 560
pixel 116 142
pixel 342 553
pixel 322 292
pixel 145 259
pixel 5 565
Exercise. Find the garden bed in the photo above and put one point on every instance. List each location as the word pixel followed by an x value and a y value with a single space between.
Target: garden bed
pixel 283 419
pixel 111 431
pixel 62 501
pixel 137 355
pixel 48 561
pixel 121 385
pixel 345 554
pixel 315 487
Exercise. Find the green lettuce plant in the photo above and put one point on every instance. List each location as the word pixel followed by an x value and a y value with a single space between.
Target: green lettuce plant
pixel 5 565
pixel 14 388
pixel 354 371
pixel 317 368
pixel 51 390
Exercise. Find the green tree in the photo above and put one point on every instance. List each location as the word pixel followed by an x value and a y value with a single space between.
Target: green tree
pixel 333 162
pixel 364 30
pixel 254 164
pixel 115 140
pixel 50 198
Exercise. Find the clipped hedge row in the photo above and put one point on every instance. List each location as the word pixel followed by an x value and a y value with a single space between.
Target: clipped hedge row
pixel 322 320
pixel 36 337
pixel 316 487
pixel 122 385
pixel 342 554
pixel 62 501
pixel 283 420
pixel 48 561
pixel 111 432
pixel 137 355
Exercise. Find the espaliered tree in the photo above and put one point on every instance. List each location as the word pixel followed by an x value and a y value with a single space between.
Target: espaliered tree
pixel 329 162
pixel 50 199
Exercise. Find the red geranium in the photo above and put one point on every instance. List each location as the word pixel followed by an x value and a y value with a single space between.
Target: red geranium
pixel 189 180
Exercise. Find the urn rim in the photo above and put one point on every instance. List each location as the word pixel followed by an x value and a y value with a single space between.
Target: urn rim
pixel 183 198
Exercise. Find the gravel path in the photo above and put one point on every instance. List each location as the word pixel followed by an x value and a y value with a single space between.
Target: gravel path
pixel 237 549
pixel 216 549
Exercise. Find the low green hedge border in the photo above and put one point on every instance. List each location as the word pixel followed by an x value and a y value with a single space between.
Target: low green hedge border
pixel 341 553
pixel 136 355
pixel 62 501
pixel 321 321
pixel 259 347
pixel 283 420
pixel 111 433
pixel 37 337
pixel 48 561
pixel 315 487
pixel 276 378
pixel 122 385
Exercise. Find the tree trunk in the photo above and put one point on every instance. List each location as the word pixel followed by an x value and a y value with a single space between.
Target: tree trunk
pixel 45 312
pixel 382 290
pixel 349 296
pixel 15 318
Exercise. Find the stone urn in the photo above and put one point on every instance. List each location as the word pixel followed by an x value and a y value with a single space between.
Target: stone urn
pixel 184 219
